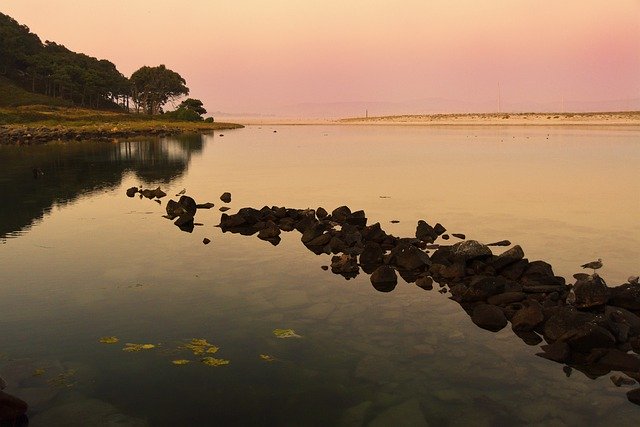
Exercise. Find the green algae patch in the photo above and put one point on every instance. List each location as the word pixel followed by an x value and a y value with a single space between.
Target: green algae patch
pixel 212 361
pixel 267 358
pixel 130 347
pixel 200 346
pixel 180 362
pixel 286 333
pixel 109 340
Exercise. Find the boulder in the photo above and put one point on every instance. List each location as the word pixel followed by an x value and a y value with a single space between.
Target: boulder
pixel 321 213
pixel 226 197
pixel 459 235
pixel 516 270
pixel 425 232
pixel 480 288
pixel 626 296
pixel 500 243
pixel 469 250
pixel 587 337
pixel 207 205
pixel 528 317
pixel 558 352
pixel 617 360
pixel 409 257
pixel 374 233
pixel 591 292
pixel 371 254
pixel 11 408
pixel 384 278
pixel 132 191
pixel 340 214
pixel 270 231
pixel 620 316
pixel 508 257
pixel 506 298
pixel 488 317
pixel 619 380
pixel 346 265
pixel 425 282
pixel 564 320
pixel 634 396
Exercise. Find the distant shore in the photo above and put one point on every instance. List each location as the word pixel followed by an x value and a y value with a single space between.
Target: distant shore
pixel 623 118
pixel 41 124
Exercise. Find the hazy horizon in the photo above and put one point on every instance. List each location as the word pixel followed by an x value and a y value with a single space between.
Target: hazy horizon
pixel 335 59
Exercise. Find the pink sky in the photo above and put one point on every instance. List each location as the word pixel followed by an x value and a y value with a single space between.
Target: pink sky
pixel 257 56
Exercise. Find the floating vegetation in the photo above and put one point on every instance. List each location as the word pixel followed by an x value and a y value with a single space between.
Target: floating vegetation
pixel 38 372
pixel 200 346
pixel 285 333
pixel 64 379
pixel 137 347
pixel 212 361
pixel 267 358
pixel 109 340
pixel 180 362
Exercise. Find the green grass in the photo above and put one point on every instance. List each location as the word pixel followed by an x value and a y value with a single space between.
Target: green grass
pixel 15 96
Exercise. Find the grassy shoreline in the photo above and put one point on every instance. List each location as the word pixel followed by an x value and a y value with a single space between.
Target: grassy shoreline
pixel 39 124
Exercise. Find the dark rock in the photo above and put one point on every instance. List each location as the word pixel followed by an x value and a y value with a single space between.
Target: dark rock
pixel 481 288
pixel 188 205
pixel 469 250
pixel 409 257
pixel 346 265
pixel 459 235
pixel 324 267
pixel 587 337
pixel 454 271
pixel 540 268
pixel 626 296
pixel 357 218
pixel 529 337
pixel 394 221
pixel 384 278
pixel 206 241
pixel 158 193
pixel 488 317
pixel 321 213
pixel 620 316
pixel 619 380
pixel 287 224
pixel 558 352
pixel 500 243
pixel 564 320
pixel 516 270
pixel 185 222
pixel 581 276
pixel 340 214
pixel 633 280
pixel 321 240
pixel 634 396
pixel 11 408
pixel 337 245
pixel 270 231
pixel 132 191
pixel 543 289
pixel 371 254
pixel 506 298
pixel 508 257
pixel 224 208
pixel 617 360
pixel 149 194
pixel 527 318
pixel 374 233
pixel 445 236
pixel 313 231
pixel 591 292
pixel 226 197
pixel 207 205
pixel 425 232
pixel 425 282
pixel 439 229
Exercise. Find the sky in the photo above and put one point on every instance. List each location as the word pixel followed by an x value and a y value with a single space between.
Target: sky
pixel 287 56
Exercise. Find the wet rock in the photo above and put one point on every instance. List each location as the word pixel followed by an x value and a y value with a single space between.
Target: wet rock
pixel 506 298
pixel 563 321
pixel 439 230
pixel 558 352
pixel 206 241
pixel 409 257
pixel 626 296
pixel 407 414
pixel 590 292
pixel 270 231
pixel 481 288
pixel 185 222
pixel 617 360
pixel 619 316
pixel 340 214
pixel 634 396
pixel 207 205
pixel 132 191
pixel 619 380
pixel 587 337
pixel 459 235
pixel 456 270
pixel 508 257
pixel 374 233
pixel 11 407
pixel 313 231
pixel 226 197
pixel 500 243
pixel 633 280
pixel 425 282
pixel 384 278
pixel 527 318
pixel 469 250
pixel 371 254
pixel 543 289
pixel 321 241
pixel 224 208
pixel 324 267
pixel 346 265
pixel 158 193
pixel 357 218
pixel 488 317
pixel 516 270
pixel 425 232
pixel 321 213
pixel 529 337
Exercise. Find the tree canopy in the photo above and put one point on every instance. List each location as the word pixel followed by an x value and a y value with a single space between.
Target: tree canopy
pixel 152 87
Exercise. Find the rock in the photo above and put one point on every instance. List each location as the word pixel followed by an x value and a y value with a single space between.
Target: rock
pixel 500 243
pixel 207 205
pixel 158 193
pixel 371 254
pixel 563 321
pixel 591 292
pixel 488 317
pixel 407 414
pixel 558 352
pixel 132 191
pixel 456 270
pixel 340 214
pixel 619 380
pixel 587 337
pixel 384 279
pixel 617 360
pixel 543 289
pixel 185 222
pixel 634 396
pixel 439 230
pixel 508 257
pixel 226 197
pixel 11 408
pixel 469 250
pixel 409 257
pixel 633 280
pixel 620 316
pixel 516 270
pixel 86 412
pixel 355 415
pixel 346 265
pixel 506 298
pixel 626 296
pixel 425 232
pixel 324 267
pixel 527 318
pixel 425 282
pixel 313 231
pixel 3 384
pixel 357 218
pixel 225 208
pixel 459 235
pixel 481 288
pixel 206 241
pixel 321 213
pixel 270 231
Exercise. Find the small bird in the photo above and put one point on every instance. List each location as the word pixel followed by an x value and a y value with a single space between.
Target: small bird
pixel 594 265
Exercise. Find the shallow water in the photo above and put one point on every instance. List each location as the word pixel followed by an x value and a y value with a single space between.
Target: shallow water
pixel 80 261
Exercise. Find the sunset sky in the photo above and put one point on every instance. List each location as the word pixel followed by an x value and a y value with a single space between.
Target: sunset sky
pixel 262 56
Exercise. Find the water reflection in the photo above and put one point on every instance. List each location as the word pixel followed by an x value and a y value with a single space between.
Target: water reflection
pixel 587 326
pixel 37 178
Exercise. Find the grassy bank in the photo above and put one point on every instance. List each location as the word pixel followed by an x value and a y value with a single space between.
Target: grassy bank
pixel 39 123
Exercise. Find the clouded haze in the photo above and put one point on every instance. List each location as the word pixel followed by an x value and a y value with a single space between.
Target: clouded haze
pixel 404 56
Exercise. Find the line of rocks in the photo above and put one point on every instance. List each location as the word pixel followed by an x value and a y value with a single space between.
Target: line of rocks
pixel 588 325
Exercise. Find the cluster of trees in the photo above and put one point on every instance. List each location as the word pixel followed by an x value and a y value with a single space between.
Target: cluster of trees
pixel 52 69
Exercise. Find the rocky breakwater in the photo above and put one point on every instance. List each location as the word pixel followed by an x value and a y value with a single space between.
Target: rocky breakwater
pixel 585 325
pixel 12 409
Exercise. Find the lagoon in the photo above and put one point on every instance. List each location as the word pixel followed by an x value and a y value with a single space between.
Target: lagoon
pixel 81 261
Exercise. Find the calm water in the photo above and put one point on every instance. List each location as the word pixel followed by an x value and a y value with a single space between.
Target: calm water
pixel 81 261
